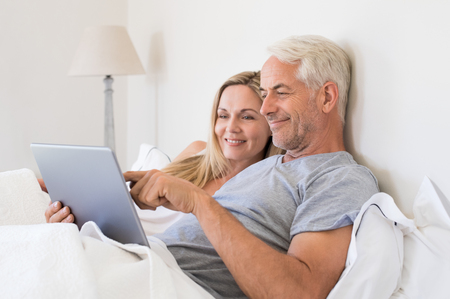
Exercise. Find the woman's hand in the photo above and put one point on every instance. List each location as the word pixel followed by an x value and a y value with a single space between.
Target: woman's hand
pixel 42 184
pixel 57 213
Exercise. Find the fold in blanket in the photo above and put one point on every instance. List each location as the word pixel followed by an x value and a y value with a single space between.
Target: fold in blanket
pixel 55 260
pixel 44 261
pixel 58 261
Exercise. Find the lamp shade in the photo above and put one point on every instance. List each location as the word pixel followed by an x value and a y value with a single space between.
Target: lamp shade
pixel 105 50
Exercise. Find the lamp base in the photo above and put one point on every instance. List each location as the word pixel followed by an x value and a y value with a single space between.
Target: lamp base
pixel 109 114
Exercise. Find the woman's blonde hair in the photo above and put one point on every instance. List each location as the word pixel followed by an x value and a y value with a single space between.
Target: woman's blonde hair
pixel 201 169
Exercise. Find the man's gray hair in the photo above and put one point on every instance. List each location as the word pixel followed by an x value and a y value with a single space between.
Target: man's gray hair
pixel 321 60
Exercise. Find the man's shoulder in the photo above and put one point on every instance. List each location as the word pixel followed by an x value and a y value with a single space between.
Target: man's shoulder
pixel 335 169
pixel 332 161
pixel 313 165
pixel 346 164
pixel 341 171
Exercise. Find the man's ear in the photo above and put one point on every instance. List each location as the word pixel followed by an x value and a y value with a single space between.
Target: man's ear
pixel 330 94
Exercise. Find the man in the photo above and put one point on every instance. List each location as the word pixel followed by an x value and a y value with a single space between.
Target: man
pixel 282 227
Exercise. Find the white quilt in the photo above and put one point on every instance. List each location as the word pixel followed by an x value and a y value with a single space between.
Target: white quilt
pixel 58 261
pixel 390 256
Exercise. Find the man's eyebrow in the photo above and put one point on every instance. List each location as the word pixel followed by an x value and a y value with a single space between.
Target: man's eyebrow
pixel 279 85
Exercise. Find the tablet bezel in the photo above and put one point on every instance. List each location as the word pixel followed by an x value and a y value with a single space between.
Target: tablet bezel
pixel 88 179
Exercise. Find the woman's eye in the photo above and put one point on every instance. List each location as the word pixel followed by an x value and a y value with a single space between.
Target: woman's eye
pixel 222 116
pixel 248 117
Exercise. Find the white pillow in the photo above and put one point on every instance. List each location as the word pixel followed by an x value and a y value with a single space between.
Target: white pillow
pixel 375 255
pixel 153 222
pixel 426 270
pixel 377 250
pixel 21 199
pixel 150 157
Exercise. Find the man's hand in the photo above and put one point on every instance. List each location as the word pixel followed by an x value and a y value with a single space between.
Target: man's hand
pixel 134 176
pixel 155 188
pixel 55 213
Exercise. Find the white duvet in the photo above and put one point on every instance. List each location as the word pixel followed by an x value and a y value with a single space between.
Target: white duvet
pixel 390 256
pixel 58 261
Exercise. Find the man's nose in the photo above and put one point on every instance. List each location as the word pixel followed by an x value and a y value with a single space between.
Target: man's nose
pixel 268 105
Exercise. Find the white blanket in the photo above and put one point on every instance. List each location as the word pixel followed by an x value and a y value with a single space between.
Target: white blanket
pixel 390 256
pixel 58 261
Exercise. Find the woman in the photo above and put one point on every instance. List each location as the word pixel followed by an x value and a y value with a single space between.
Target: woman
pixel 239 136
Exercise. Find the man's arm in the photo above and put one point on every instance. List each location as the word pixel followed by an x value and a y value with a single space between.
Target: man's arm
pixel 310 269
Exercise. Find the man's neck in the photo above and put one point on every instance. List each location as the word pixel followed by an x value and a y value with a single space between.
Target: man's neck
pixel 293 155
pixel 329 142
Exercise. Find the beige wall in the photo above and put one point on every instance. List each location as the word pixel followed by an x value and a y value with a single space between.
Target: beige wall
pixel 38 101
pixel 398 123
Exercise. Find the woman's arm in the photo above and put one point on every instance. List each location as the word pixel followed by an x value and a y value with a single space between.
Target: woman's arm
pixel 192 149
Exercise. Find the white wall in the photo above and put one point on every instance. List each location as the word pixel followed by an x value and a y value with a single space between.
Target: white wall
pixel 38 101
pixel 398 123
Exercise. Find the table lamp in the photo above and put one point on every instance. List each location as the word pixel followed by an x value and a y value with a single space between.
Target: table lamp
pixel 106 51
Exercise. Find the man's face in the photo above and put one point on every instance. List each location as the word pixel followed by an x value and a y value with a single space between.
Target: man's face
pixel 289 107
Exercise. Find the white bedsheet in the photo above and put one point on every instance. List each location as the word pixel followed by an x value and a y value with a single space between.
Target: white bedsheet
pixel 39 260
pixel 390 256
pixel 57 261
pixel 44 261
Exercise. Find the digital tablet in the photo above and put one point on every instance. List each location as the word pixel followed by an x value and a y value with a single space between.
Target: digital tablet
pixel 88 179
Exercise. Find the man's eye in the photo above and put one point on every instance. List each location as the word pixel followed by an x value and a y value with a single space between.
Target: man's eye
pixel 263 96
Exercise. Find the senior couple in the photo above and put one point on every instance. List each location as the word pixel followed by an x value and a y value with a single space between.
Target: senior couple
pixel 261 224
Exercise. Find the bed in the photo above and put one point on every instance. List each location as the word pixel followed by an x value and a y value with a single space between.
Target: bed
pixel 390 256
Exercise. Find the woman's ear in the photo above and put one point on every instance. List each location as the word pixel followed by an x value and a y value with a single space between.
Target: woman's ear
pixel 330 96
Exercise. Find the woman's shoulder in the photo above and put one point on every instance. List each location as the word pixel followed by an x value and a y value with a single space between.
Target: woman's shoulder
pixel 191 150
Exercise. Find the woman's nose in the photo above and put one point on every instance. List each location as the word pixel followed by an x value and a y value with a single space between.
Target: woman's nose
pixel 233 126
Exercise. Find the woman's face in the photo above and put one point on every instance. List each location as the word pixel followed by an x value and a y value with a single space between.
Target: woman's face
pixel 241 130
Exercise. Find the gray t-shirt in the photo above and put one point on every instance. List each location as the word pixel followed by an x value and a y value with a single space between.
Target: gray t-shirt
pixel 275 201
